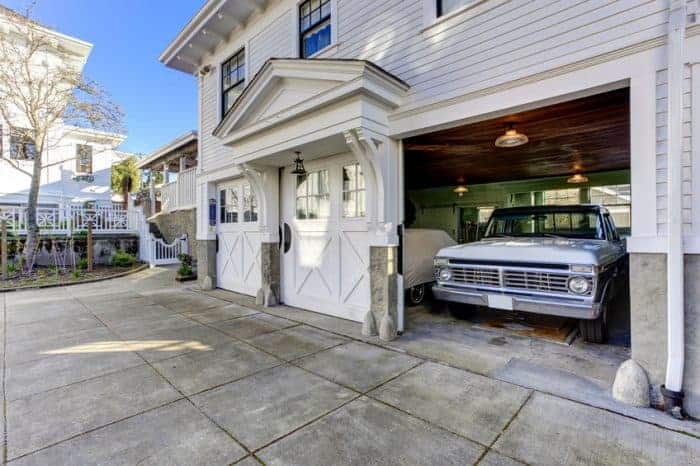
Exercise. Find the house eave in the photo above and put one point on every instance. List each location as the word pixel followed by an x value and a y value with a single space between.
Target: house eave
pixel 209 27
pixel 165 151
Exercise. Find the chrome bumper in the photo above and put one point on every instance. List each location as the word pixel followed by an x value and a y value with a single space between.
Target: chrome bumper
pixel 524 303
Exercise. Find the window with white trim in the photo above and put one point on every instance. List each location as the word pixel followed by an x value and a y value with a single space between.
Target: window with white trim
pixel 228 205
pixel 250 204
pixel 83 159
pixel 314 27
pixel 313 196
pixel 232 80
pixel 354 193
pixel 22 146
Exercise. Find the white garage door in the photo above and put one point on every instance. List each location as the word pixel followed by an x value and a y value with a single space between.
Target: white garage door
pixel 238 255
pixel 325 255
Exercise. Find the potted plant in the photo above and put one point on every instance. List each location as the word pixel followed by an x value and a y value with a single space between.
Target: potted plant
pixel 185 272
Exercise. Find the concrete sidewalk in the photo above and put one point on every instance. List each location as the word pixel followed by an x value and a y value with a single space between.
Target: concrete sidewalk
pixel 139 370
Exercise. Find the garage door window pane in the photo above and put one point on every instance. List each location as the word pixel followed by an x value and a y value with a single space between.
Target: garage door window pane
pixel 250 205
pixel 313 195
pixel 353 191
pixel 228 205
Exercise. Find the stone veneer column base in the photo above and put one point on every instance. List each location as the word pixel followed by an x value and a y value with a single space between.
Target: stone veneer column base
pixel 269 292
pixel 206 264
pixel 383 290
pixel 648 324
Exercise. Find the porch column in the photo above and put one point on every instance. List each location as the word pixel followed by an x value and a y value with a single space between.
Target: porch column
pixel 265 184
pixel 166 170
pixel 379 157
pixel 152 192
pixel 183 163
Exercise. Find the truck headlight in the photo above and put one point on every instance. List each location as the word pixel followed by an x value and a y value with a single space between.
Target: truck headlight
pixel 444 275
pixel 579 285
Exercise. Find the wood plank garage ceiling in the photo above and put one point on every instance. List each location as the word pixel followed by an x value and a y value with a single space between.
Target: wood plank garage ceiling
pixel 586 135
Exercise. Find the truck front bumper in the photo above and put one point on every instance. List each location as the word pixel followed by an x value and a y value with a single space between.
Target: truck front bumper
pixel 554 306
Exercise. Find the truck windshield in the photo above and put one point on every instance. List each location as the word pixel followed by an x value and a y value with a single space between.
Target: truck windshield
pixel 574 224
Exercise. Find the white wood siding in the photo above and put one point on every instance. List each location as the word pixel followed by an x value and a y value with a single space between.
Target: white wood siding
pixel 275 41
pixel 495 43
pixel 662 153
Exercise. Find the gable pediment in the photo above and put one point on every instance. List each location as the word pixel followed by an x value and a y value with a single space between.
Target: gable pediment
pixel 284 88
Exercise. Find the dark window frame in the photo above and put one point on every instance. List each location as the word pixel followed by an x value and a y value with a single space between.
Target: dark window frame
pixel 314 26
pixel 80 166
pixel 439 9
pixel 240 61
pixel 20 144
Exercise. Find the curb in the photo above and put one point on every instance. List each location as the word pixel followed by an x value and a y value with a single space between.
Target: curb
pixel 92 280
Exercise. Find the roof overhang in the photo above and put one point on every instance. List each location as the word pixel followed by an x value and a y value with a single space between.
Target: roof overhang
pixel 93 135
pixel 288 89
pixel 163 153
pixel 213 24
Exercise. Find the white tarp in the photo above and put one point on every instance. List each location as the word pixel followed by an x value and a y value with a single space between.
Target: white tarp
pixel 420 247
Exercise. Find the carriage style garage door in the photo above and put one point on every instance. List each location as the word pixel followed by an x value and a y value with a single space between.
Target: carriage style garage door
pixel 238 255
pixel 325 256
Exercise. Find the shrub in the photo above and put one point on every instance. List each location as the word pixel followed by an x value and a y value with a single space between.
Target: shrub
pixel 76 274
pixel 11 268
pixel 82 264
pixel 184 271
pixel 186 259
pixel 123 259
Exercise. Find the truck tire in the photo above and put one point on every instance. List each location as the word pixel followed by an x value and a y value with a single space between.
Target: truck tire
pixel 595 330
pixel 416 294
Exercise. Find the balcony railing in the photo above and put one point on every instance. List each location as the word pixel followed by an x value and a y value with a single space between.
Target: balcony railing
pixel 72 219
pixel 179 194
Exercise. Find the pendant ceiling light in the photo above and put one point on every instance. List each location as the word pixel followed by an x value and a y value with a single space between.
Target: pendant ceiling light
pixel 460 189
pixel 298 165
pixel 511 138
pixel 577 179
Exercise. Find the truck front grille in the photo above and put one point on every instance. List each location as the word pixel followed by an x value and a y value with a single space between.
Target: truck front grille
pixel 475 276
pixel 537 281
pixel 513 279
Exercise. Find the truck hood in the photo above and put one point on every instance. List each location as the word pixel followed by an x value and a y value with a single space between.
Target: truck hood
pixel 535 250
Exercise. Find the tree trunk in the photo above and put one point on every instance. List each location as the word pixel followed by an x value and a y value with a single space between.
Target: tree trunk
pixel 32 244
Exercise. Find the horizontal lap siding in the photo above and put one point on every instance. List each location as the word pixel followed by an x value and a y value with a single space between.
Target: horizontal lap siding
pixel 496 42
pixel 662 153
pixel 274 41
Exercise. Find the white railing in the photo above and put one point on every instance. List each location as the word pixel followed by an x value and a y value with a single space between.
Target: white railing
pixel 181 193
pixel 168 197
pixel 72 219
pixel 158 252
pixel 186 188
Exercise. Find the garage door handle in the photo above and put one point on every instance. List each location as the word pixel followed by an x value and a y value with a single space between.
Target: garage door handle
pixel 287 238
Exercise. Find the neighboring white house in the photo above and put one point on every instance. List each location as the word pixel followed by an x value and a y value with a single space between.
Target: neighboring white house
pixel 78 160
pixel 386 101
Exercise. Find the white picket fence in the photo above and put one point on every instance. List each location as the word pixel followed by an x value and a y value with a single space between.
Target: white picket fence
pixel 161 253
pixel 181 193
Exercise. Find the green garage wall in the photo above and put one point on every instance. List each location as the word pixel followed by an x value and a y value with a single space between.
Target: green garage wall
pixel 439 207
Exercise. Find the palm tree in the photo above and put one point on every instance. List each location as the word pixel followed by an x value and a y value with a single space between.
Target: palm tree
pixel 126 177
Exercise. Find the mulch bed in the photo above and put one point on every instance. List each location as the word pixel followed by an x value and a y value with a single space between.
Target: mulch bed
pixel 44 278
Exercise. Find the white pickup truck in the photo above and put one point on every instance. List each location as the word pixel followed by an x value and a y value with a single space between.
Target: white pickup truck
pixel 558 260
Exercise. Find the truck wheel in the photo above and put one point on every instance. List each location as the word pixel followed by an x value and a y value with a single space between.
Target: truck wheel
pixel 416 294
pixel 459 311
pixel 596 330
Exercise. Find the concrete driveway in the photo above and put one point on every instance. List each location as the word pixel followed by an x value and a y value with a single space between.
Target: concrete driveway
pixel 140 371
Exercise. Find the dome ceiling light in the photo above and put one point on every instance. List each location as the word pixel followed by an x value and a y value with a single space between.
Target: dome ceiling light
pixel 578 178
pixel 511 138
pixel 460 189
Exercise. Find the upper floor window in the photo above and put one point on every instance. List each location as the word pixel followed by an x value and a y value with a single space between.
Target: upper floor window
pixel 22 146
pixel 232 79
pixel 83 158
pixel 314 26
pixel 445 7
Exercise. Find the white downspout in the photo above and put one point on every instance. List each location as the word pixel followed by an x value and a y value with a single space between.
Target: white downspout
pixel 673 387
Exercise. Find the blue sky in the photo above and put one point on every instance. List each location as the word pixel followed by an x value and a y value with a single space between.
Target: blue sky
pixel 128 36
